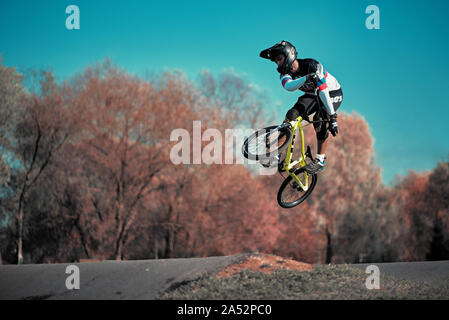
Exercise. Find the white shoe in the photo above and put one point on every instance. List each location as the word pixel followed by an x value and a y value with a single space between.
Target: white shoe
pixel 315 166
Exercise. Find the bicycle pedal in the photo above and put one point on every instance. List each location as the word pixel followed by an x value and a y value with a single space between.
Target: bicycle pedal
pixel 309 153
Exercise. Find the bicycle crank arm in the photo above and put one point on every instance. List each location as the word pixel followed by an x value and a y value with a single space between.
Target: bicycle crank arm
pixel 309 153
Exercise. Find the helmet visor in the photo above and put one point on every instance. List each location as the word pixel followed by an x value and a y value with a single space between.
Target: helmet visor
pixel 273 52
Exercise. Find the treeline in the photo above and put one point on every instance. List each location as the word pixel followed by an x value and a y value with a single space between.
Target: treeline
pixel 86 173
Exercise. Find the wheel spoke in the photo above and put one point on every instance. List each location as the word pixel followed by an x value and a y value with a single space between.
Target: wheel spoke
pixel 260 145
pixel 266 143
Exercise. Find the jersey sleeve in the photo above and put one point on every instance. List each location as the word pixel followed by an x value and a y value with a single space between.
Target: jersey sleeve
pixel 291 85
pixel 322 75
pixel 324 90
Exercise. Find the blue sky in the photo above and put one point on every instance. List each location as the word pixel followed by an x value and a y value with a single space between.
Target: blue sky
pixel 395 77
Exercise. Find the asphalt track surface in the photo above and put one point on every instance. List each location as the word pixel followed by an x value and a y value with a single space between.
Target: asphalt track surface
pixel 144 279
pixel 105 280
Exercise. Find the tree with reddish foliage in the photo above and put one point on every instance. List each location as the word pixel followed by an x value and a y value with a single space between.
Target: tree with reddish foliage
pixel 122 144
pixel 302 237
pixel 351 179
pixel 424 206
pixel 410 192
pixel 243 215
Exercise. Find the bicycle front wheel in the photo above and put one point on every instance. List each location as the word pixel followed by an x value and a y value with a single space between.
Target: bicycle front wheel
pixel 290 194
pixel 266 143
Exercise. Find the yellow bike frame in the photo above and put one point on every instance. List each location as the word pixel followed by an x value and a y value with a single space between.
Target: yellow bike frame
pixel 301 161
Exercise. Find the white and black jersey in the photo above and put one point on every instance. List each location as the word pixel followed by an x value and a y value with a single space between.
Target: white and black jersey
pixel 310 75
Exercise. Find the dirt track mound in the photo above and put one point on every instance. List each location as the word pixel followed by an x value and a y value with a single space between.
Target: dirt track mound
pixel 265 263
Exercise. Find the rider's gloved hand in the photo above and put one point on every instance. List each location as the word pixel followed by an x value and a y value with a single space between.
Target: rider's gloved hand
pixel 313 79
pixel 333 125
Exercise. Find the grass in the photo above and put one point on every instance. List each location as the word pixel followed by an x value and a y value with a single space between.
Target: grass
pixel 323 282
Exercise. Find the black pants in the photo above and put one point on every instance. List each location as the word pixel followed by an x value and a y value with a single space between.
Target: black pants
pixel 307 105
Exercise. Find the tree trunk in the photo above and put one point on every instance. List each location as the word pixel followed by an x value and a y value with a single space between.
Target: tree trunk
pixel 82 237
pixel 328 247
pixel 437 248
pixel 167 252
pixel 168 233
pixel 20 237
pixel 119 235
pixel 119 250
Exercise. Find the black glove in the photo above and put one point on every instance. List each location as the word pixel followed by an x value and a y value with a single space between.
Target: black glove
pixel 312 79
pixel 333 125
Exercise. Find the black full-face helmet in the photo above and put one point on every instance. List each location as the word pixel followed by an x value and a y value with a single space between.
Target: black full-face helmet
pixel 285 48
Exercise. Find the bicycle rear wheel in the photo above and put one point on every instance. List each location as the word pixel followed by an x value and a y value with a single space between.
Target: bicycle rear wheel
pixel 266 143
pixel 290 194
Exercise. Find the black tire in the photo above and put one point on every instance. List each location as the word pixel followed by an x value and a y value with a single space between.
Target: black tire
pixel 288 185
pixel 281 166
pixel 282 141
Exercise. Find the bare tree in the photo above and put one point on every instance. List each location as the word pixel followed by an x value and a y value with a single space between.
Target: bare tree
pixel 12 109
pixel 41 132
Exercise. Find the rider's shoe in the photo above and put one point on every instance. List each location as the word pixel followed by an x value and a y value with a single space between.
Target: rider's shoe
pixel 315 166
pixel 271 162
